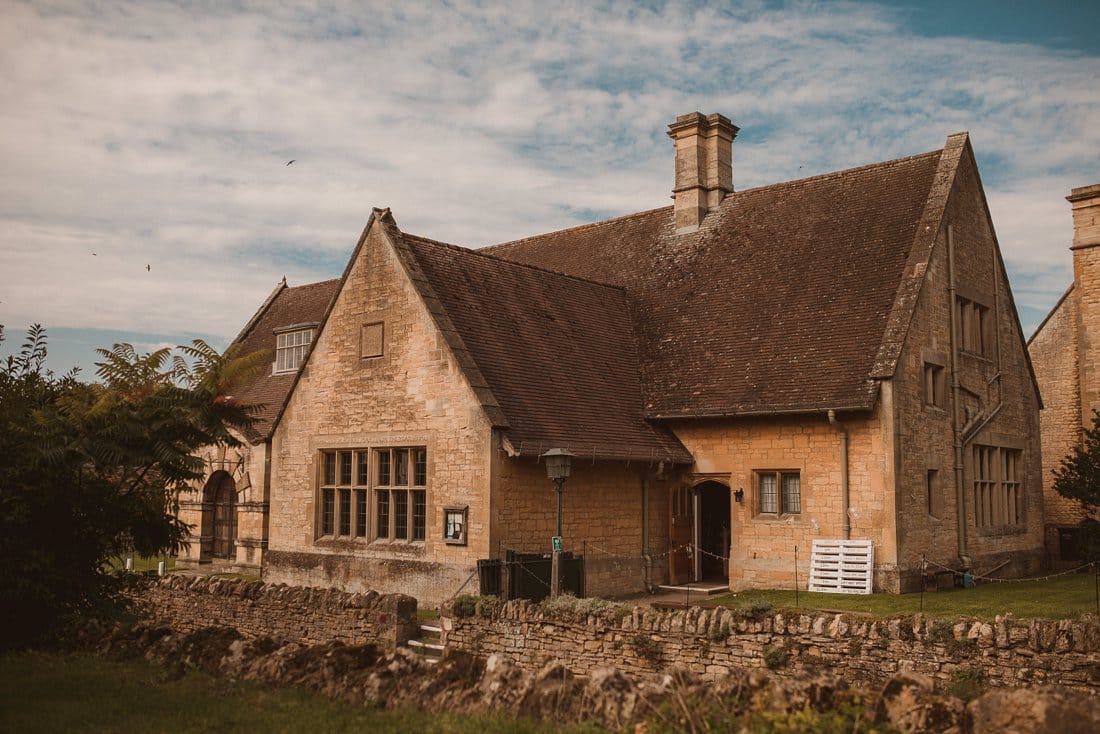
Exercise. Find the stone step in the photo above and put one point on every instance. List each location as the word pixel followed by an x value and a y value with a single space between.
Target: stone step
pixel 704 588
pixel 431 629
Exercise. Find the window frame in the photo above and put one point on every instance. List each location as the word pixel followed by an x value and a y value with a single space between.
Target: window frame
pixel 996 486
pixel 297 349
pixel 783 506
pixel 400 485
pixel 461 513
pixel 340 495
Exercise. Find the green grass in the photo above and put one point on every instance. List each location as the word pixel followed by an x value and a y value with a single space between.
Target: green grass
pixel 49 692
pixel 143 564
pixel 1064 597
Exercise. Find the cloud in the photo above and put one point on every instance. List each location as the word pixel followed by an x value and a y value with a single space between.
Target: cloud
pixel 157 134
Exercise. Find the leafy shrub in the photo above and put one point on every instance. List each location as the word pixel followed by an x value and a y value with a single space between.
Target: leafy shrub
pixel 776 657
pixel 465 605
pixel 646 647
pixel 754 610
pixel 101 467
pixel 967 683
pixel 567 606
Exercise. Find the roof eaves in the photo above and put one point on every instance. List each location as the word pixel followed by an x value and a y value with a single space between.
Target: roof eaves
pixel 916 267
pixel 764 412
pixel 605 453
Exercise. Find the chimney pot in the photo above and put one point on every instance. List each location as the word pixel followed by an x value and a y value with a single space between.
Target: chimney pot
pixel 704 165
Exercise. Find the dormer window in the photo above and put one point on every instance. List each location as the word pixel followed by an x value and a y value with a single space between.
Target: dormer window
pixel 291 347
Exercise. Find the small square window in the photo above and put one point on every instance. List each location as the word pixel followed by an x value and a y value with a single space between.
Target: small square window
pixel 779 492
pixel 454 525
pixel 290 349
pixel 371 340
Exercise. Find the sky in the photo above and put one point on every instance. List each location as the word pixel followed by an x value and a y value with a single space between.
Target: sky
pixel 145 194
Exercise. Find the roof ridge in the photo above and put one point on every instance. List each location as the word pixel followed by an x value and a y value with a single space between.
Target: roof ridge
pixel 575 228
pixel 842 172
pixel 310 285
pixel 512 263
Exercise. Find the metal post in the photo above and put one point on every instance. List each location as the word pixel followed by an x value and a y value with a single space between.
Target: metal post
pixel 923 577
pixel 796 577
pixel 555 562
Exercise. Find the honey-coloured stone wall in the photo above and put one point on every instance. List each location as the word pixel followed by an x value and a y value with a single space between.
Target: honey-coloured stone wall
pixel 413 395
pixel 1053 351
pixel 763 545
pixel 245 464
pixel 301 615
pixel 998 405
pixel 602 518
pixel 1005 652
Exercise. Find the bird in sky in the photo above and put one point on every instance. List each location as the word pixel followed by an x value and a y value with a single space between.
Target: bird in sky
pixel 291 161
pixel 94 254
pixel 148 268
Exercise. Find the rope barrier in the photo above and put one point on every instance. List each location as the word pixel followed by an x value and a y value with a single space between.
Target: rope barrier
pixel 956 572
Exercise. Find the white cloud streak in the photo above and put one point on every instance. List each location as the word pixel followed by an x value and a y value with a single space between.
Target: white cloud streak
pixel 157 134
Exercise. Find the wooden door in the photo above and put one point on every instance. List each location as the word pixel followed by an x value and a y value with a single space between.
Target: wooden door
pixel 225 518
pixel 681 533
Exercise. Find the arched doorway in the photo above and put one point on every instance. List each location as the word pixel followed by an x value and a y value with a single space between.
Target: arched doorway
pixel 220 514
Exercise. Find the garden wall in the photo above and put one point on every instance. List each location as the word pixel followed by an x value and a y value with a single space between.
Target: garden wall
pixel 297 614
pixel 1007 652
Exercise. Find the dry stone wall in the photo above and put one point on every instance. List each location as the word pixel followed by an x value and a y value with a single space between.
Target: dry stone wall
pixel 295 614
pixel 710 642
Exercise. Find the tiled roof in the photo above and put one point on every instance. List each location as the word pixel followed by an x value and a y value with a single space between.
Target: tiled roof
pixel 557 353
pixel 777 303
pixel 286 306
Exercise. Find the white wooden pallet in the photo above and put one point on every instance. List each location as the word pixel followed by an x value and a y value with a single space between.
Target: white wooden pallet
pixel 842 566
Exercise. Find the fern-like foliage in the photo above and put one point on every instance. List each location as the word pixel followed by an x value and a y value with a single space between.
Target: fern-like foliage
pixel 89 472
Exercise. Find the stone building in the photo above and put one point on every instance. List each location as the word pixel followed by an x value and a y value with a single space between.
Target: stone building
pixel 1065 350
pixel 228 510
pixel 737 375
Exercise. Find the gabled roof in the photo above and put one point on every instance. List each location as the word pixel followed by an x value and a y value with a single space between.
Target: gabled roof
pixel 778 303
pixel 556 351
pixel 285 307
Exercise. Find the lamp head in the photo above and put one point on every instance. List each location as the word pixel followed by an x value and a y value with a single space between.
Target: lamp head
pixel 559 463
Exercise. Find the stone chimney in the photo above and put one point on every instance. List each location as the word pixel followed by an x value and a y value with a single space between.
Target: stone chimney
pixel 704 165
pixel 1086 215
pixel 1086 282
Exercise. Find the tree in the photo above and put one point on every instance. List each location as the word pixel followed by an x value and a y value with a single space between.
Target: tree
pixel 91 472
pixel 1078 478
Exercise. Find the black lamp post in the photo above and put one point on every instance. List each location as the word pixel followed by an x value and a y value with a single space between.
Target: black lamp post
pixel 558 466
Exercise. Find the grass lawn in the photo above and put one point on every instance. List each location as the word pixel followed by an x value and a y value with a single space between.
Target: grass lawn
pixel 1057 598
pixel 48 692
pixel 143 563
